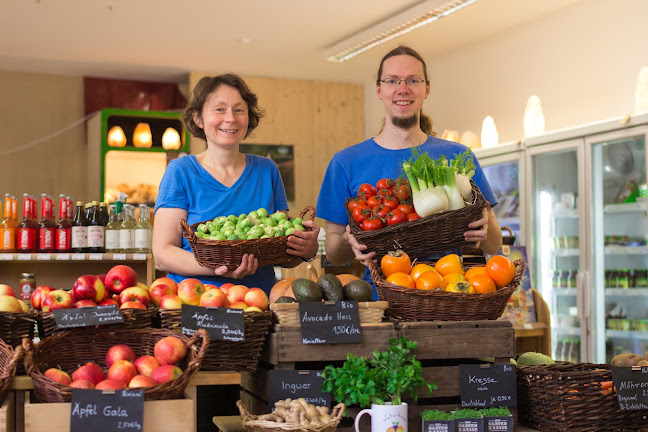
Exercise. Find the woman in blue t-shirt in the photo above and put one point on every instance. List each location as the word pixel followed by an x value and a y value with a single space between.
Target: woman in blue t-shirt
pixel 221 181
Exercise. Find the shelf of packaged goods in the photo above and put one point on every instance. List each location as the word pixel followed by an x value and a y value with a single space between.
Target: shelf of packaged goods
pixel 626 250
pixel 626 207
pixel 627 334
pixel 626 292
pixel 574 252
pixel 560 291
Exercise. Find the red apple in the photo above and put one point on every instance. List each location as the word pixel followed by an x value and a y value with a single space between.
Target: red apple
pixel 132 305
pixel 119 278
pixel 84 303
pixel 111 384
pixel 56 374
pixel 146 364
pixel 166 373
pixel 257 297
pixel 252 309
pixel 38 295
pixel 237 293
pixel 166 281
pixel 119 352
pixel 90 372
pixel 89 287
pixel 214 298
pixel 102 278
pixel 122 370
pixel 108 301
pixel 134 294
pixel 190 290
pixel 226 286
pixel 7 290
pixel 238 305
pixel 82 384
pixel 169 350
pixel 10 304
pixel 57 299
pixel 158 291
pixel 139 381
pixel 210 286
pixel 170 301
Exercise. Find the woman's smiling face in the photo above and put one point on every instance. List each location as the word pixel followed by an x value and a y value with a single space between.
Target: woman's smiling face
pixel 224 117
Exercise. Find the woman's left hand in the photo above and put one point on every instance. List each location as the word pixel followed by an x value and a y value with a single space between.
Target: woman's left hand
pixel 479 230
pixel 304 243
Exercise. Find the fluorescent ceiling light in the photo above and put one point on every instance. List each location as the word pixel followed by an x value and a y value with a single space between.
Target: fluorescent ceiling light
pixel 404 22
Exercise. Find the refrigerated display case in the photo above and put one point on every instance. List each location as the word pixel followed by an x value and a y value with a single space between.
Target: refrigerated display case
pixel 587 236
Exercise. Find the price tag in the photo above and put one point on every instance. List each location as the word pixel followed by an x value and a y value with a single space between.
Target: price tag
pixel 24 257
pixel 631 387
pixel 114 410
pixel 43 257
pixel 78 256
pixel 95 256
pixel 119 257
pixel 528 326
pixel 139 257
pixel 6 257
pixel 330 322
pixel 85 317
pixel 220 323
pixel 295 384
pixel 63 257
pixel 487 385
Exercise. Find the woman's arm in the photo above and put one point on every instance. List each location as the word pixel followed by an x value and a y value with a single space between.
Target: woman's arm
pixel 342 246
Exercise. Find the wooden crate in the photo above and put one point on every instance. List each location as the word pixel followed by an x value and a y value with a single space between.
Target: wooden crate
pixel 159 416
pixel 8 413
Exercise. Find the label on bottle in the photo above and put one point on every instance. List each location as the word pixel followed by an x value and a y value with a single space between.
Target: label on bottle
pixel 26 290
pixel 79 237
pixel 143 239
pixel 27 238
pixel 46 239
pixel 63 239
pixel 112 240
pixel 96 236
pixel 7 239
pixel 126 239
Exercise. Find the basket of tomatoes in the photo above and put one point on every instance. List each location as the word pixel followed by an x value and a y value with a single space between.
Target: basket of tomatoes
pixel 445 290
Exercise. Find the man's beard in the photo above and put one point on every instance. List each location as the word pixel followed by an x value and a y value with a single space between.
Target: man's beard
pixel 405 122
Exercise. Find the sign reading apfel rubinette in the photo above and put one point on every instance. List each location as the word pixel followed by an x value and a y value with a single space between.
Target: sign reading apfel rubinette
pixel 87 316
pixel 221 323
pixel 108 410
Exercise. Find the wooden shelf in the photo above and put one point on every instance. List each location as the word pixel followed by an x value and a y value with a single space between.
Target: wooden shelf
pixel 535 336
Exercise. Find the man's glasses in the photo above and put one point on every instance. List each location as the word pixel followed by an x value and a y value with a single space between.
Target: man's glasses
pixel 395 82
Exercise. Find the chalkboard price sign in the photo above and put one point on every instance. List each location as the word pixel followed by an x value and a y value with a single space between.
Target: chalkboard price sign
pixel 221 323
pixel 85 317
pixel 487 385
pixel 631 387
pixel 94 410
pixel 295 384
pixel 330 322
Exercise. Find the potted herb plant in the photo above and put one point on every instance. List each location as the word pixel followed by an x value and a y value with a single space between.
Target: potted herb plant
pixel 379 382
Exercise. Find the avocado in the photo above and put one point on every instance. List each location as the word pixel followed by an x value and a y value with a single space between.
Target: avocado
pixel 358 290
pixel 286 299
pixel 306 290
pixel 533 359
pixel 332 289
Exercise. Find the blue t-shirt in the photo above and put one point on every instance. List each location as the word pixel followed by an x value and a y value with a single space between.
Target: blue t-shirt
pixel 187 185
pixel 368 162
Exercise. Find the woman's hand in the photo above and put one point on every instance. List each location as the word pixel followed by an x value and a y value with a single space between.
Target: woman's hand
pixel 249 265
pixel 304 243
pixel 357 247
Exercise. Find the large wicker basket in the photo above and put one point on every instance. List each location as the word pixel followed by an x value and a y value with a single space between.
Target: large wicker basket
pixel 69 349
pixel 568 398
pixel 410 304
pixel 10 358
pixel 251 423
pixel 229 355
pixel 14 326
pixel 217 253
pixel 133 319
pixel 436 233
pixel 287 314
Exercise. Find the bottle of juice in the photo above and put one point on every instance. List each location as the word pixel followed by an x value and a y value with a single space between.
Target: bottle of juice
pixel 63 230
pixel 103 212
pixel 96 230
pixel 112 231
pixel 79 229
pixel 8 227
pixel 47 227
pixel 143 230
pixel 127 229
pixel 27 233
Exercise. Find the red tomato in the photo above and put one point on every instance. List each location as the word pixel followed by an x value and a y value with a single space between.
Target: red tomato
pixel 384 184
pixel 360 213
pixel 366 190
pixel 405 208
pixel 396 216
pixel 381 211
pixel 354 202
pixel 391 203
pixel 373 201
pixel 413 216
pixel 372 224
pixel 403 193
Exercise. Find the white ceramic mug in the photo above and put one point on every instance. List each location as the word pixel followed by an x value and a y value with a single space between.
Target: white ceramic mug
pixel 385 418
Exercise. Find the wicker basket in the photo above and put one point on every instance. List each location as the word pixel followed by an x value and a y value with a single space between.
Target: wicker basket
pixel 133 319
pixel 436 233
pixel 10 358
pixel 410 304
pixel 568 398
pixel 229 355
pixel 14 326
pixel 253 425
pixel 69 349
pixel 288 313
pixel 217 253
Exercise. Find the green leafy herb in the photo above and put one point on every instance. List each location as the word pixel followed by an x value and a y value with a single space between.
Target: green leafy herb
pixel 495 412
pixel 429 415
pixel 466 413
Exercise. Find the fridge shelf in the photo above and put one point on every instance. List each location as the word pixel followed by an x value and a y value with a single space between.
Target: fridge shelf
pixel 626 250
pixel 627 334
pixel 626 207
pixel 626 292
pixel 564 291
pixel 574 252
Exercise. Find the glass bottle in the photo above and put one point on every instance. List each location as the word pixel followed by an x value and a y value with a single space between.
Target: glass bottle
pixel 103 212
pixel 63 229
pixel 27 233
pixel 8 227
pixel 127 229
pixel 112 231
pixel 47 227
pixel 79 229
pixel 96 230
pixel 87 210
pixel 143 230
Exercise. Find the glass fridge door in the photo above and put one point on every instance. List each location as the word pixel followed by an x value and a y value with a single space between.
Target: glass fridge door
pixel 619 231
pixel 555 241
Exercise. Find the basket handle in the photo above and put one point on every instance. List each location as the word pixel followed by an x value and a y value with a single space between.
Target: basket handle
pixel 308 208
pixel 10 369
pixel 245 415
pixel 28 352
pixel 197 361
pixel 187 232
pixel 510 231
pixel 337 412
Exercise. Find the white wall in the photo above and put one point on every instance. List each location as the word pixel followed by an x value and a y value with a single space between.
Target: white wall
pixel 582 62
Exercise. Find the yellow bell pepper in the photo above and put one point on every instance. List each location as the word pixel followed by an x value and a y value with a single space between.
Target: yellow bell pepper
pixel 460 287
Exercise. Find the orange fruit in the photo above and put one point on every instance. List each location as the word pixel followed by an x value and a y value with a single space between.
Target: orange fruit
pixel 454 277
pixel 501 270
pixel 482 284
pixel 402 279
pixel 474 271
pixel 430 280
pixel 420 268
pixel 450 263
